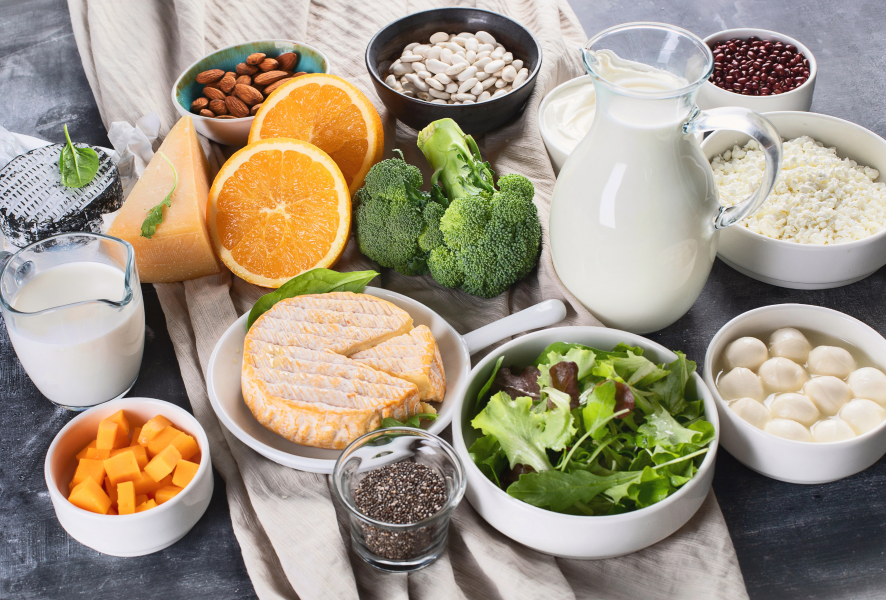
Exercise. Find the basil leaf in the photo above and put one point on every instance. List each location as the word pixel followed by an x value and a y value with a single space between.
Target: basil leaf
pixel 315 281
pixel 413 421
pixel 155 215
pixel 77 165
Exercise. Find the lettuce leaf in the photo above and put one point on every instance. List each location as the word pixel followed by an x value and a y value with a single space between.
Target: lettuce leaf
pixel 581 356
pixel 558 491
pixel 670 391
pixel 646 489
pixel 599 407
pixel 489 457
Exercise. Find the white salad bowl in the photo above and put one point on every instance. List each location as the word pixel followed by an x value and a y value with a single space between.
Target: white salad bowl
pixel 711 96
pixel 140 533
pixel 805 266
pixel 225 364
pixel 789 460
pixel 571 536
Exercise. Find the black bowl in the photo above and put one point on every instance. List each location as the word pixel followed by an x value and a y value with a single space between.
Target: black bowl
pixel 387 45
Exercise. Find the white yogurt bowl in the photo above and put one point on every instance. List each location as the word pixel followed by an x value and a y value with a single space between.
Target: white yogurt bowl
pixel 140 533
pixel 805 266
pixel 789 460
pixel 556 149
pixel 711 96
pixel 571 536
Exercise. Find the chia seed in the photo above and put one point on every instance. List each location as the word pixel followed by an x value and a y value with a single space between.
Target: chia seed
pixel 400 493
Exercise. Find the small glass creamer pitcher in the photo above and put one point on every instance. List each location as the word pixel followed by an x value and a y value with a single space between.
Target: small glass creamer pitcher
pixel 72 304
pixel 635 215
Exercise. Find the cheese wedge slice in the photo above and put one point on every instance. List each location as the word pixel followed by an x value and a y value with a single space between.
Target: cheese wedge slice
pixel 414 357
pixel 180 248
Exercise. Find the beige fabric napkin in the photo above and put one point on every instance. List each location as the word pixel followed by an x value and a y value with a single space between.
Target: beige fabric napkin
pixel 293 542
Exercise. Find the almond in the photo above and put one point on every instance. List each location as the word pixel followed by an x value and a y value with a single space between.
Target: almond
pixel 207 113
pixel 267 91
pixel 210 76
pixel 244 80
pixel 218 107
pixel 236 107
pixel 248 94
pixel 227 83
pixel 213 93
pixel 268 64
pixel 255 59
pixel 254 109
pixel 300 73
pixel 287 60
pixel 231 73
pixel 225 117
pixel 199 104
pixel 269 77
pixel 244 69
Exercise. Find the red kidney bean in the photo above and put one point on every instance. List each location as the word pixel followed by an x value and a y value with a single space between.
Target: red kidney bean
pixel 755 67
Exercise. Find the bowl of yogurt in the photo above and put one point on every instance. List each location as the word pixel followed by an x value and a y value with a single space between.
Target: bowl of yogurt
pixel 565 116
pixel 801 391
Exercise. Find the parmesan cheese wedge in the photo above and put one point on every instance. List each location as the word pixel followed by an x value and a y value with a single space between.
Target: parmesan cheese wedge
pixel 180 248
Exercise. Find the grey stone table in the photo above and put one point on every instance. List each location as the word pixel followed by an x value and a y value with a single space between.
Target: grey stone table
pixel 825 541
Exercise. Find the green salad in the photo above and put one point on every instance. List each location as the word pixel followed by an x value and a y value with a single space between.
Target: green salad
pixel 590 432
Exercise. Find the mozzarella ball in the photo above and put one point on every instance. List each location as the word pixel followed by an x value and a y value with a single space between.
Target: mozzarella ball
pixel 831 430
pixel 795 407
pixel 831 360
pixel 828 393
pixel 790 430
pixel 751 411
pixel 740 383
pixel 789 343
pixel 869 383
pixel 862 415
pixel 746 352
pixel 782 375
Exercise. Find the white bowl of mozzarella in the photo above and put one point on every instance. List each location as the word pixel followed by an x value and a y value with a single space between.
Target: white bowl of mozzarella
pixel 801 391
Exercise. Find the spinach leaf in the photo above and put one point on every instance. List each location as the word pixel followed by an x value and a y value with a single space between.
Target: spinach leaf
pixel 558 490
pixel 315 281
pixel 77 165
pixel 413 421
pixel 155 215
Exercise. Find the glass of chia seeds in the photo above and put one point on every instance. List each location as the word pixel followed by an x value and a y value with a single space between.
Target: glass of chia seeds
pixel 399 487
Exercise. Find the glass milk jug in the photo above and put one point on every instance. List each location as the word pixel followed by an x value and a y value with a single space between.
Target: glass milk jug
pixel 634 215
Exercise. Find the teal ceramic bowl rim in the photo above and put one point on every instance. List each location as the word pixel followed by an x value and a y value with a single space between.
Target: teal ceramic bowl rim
pixel 186 89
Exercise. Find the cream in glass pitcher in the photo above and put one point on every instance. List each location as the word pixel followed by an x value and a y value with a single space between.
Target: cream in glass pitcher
pixel 634 215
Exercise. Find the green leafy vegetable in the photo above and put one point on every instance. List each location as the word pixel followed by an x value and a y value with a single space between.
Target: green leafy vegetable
pixel 77 165
pixel 155 215
pixel 488 385
pixel 488 454
pixel 558 491
pixel 315 281
pixel 413 421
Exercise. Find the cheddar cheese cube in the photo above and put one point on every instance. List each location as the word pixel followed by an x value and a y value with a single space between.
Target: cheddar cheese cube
pixel 186 445
pixel 163 463
pixel 162 440
pixel 111 511
pixel 184 473
pixel 89 468
pixel 122 467
pixel 89 495
pixel 111 490
pixel 136 431
pixel 146 505
pixel 122 428
pixel 126 498
pixel 141 454
pixel 107 435
pixel 145 484
pixel 152 428
pixel 165 494
pixel 83 453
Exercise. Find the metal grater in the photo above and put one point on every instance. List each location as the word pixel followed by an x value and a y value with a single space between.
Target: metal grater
pixel 34 204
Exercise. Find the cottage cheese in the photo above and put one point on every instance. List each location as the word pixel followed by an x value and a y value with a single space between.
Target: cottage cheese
pixel 818 198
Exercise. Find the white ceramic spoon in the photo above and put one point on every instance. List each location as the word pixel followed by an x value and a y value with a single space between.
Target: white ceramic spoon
pixel 223 375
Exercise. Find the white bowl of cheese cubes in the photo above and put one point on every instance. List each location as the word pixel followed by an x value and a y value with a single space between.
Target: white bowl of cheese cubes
pixel 801 392
pixel 98 471
pixel 824 224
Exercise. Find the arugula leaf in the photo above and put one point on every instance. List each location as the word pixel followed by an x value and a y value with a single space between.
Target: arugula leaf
pixel 670 392
pixel 315 281
pixel 77 166
pixel 599 408
pixel 558 491
pixel 488 385
pixel 155 215
pixel 413 421
pixel 524 434
pixel 489 456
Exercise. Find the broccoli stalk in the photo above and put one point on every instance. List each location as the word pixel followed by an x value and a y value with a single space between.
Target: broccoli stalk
pixel 456 160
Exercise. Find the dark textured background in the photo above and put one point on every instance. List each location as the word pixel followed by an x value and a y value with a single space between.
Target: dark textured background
pixel 824 541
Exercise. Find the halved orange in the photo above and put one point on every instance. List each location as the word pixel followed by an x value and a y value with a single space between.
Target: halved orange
pixel 277 208
pixel 330 113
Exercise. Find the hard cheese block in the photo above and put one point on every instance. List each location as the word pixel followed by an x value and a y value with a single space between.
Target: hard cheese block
pixel 180 248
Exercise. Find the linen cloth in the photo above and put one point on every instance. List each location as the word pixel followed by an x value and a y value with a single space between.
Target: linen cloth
pixel 294 543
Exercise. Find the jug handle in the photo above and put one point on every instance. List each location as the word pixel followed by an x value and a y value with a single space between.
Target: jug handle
pixel 759 128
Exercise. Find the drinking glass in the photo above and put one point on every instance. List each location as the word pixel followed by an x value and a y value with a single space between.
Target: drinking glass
pixel 79 348
pixel 388 546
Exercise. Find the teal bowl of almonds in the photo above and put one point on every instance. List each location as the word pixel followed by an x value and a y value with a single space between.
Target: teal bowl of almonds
pixel 223 90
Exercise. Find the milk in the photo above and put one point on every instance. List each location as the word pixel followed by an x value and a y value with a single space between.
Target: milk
pixel 84 354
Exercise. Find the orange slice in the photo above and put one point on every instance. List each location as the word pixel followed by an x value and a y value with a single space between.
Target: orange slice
pixel 277 208
pixel 330 113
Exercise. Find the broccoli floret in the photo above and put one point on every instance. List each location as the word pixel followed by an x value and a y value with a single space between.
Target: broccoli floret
pixel 432 236
pixel 456 160
pixel 390 217
pixel 445 267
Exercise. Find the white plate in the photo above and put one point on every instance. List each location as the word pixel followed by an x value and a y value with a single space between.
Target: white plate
pixel 223 376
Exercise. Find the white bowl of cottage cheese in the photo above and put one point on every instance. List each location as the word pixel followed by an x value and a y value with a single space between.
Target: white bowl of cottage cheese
pixel 824 224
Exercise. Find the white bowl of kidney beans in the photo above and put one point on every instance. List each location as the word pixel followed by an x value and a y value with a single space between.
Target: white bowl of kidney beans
pixel 758 69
